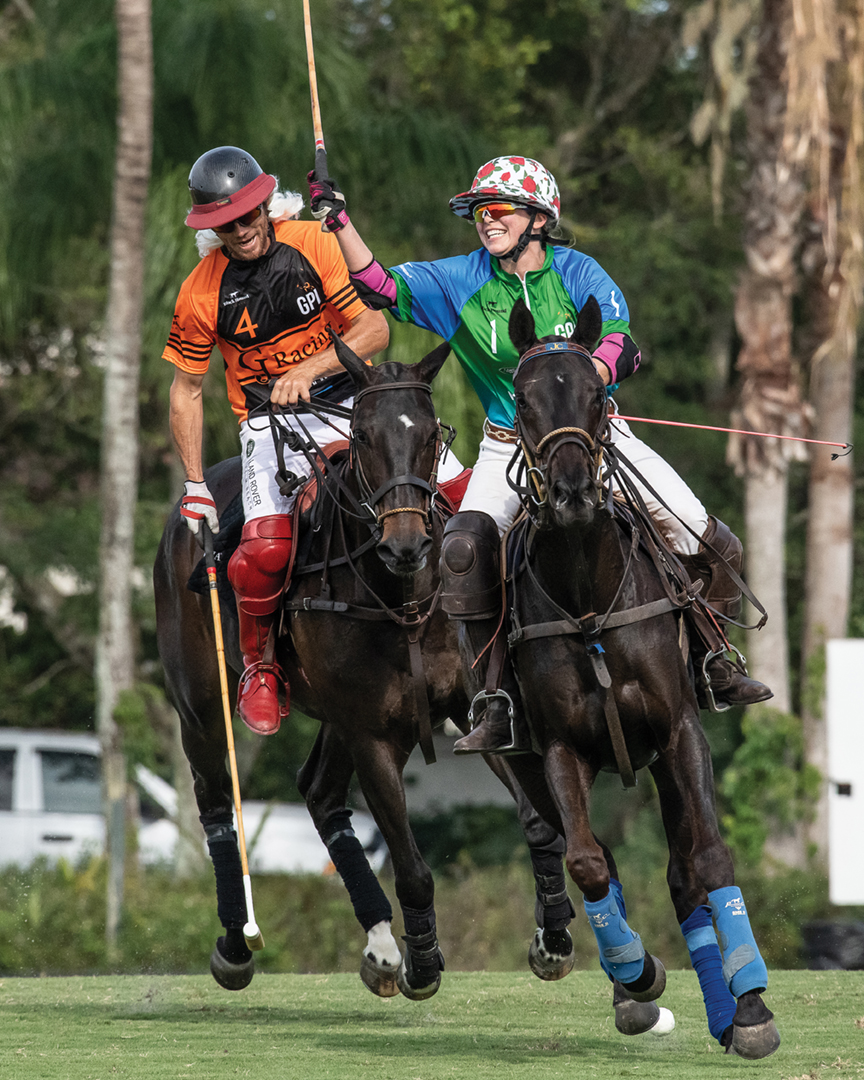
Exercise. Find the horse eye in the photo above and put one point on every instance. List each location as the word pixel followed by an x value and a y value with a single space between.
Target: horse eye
pixel 361 437
pixel 521 402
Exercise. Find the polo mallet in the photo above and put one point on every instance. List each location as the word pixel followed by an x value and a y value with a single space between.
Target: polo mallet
pixel 251 932
pixel 318 130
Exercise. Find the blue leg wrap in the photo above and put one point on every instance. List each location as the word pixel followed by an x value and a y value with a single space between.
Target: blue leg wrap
pixel 743 966
pixel 622 955
pixel 705 957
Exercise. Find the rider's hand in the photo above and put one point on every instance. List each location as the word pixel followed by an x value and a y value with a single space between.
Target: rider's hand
pixel 327 204
pixel 198 505
pixel 293 386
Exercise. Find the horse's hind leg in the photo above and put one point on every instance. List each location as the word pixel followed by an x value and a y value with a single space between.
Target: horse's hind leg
pixel 323 782
pixel 379 766
pixel 700 870
pixel 187 648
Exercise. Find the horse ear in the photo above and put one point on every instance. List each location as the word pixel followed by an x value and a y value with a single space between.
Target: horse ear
pixel 588 325
pixel 521 327
pixel 352 363
pixel 431 364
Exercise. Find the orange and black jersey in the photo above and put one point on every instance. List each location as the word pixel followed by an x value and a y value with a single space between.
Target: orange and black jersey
pixel 263 315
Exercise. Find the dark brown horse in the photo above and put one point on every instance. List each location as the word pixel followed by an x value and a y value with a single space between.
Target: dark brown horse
pixel 606 684
pixel 345 648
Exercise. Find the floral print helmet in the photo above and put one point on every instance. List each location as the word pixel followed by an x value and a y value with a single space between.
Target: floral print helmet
pixel 519 180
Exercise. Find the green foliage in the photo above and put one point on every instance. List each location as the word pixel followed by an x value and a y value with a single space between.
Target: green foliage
pixel 769 787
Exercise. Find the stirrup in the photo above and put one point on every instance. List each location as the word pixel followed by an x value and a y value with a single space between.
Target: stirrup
pixel 486 696
pixel 715 706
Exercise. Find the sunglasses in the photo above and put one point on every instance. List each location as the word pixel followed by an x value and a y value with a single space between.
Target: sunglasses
pixel 495 211
pixel 245 220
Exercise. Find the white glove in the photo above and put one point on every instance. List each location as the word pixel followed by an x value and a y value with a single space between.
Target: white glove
pixel 198 506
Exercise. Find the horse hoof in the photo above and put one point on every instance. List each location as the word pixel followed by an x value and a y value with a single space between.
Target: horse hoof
pixel 547 963
pixel 651 983
pixel 755 1042
pixel 231 976
pixel 416 993
pixel 379 978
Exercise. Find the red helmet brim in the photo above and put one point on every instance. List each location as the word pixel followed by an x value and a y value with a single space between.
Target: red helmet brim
pixel 212 215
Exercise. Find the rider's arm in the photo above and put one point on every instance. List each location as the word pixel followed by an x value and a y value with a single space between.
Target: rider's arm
pixel 187 421
pixel 617 355
pixel 367 335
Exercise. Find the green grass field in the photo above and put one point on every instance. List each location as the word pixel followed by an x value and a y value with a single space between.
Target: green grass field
pixel 478 1025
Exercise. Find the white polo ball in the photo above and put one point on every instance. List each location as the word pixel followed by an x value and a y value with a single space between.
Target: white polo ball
pixel 665 1023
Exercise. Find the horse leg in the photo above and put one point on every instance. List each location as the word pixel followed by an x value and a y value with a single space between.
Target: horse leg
pixel 551 955
pixel 188 650
pixel 323 782
pixel 379 766
pixel 622 955
pixel 700 870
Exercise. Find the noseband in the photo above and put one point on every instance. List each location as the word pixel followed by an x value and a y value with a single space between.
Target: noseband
pixel 370 498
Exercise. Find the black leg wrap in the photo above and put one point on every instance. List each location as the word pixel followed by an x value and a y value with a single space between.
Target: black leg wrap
pixel 553 909
pixel 370 904
pixel 225 854
pixel 420 974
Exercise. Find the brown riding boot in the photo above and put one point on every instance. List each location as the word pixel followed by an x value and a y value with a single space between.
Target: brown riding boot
pixel 721 682
pixel 257 571
pixel 471 594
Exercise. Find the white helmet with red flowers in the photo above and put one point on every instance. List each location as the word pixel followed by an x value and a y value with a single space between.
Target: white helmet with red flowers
pixel 518 180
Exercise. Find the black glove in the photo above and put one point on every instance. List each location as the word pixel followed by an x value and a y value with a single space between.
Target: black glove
pixel 327 204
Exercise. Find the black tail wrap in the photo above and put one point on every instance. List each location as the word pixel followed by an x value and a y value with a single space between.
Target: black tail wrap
pixel 230 897
pixel 370 904
pixel 553 910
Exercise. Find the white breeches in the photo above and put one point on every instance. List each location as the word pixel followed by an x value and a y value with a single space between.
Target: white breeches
pixel 261 496
pixel 489 491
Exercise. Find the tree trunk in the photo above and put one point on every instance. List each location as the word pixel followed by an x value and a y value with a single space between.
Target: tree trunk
pixel 833 261
pixel 770 396
pixel 115 650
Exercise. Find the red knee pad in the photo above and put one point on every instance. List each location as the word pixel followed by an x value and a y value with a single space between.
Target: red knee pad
pixel 257 568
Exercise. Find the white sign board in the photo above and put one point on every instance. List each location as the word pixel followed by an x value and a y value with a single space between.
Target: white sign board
pixel 845 719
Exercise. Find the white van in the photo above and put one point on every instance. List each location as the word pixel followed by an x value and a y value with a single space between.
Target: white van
pixel 51 806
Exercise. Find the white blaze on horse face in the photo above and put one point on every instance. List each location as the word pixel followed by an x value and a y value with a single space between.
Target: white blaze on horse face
pixel 407 421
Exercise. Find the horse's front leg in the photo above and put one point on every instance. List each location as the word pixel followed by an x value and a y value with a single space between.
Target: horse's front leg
pixel 551 955
pixel 622 955
pixel 701 881
pixel 323 782
pixel 379 766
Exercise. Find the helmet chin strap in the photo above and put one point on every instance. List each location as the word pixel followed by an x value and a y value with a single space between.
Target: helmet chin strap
pixel 523 241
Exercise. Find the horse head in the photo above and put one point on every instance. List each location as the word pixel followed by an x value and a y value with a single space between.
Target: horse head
pixel 395 448
pixel 560 413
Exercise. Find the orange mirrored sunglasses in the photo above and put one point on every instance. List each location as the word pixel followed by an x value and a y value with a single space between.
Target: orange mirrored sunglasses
pixel 495 210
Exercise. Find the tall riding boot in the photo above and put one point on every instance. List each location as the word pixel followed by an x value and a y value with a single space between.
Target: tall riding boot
pixel 721 682
pixel 472 595
pixel 257 571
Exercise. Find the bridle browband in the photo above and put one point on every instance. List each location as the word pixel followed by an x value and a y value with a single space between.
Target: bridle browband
pixel 370 499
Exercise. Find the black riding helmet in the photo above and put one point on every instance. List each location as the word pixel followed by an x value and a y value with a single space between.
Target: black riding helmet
pixel 226 183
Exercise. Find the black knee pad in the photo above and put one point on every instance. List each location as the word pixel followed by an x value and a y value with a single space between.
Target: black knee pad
pixel 470 573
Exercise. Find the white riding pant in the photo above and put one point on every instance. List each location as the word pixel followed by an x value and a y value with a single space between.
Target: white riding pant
pixel 261 495
pixel 489 491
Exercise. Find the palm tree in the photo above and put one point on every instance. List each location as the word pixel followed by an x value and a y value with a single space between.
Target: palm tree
pixel 115 648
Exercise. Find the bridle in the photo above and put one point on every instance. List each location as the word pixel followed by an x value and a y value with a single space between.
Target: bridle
pixel 371 498
pixel 593 445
